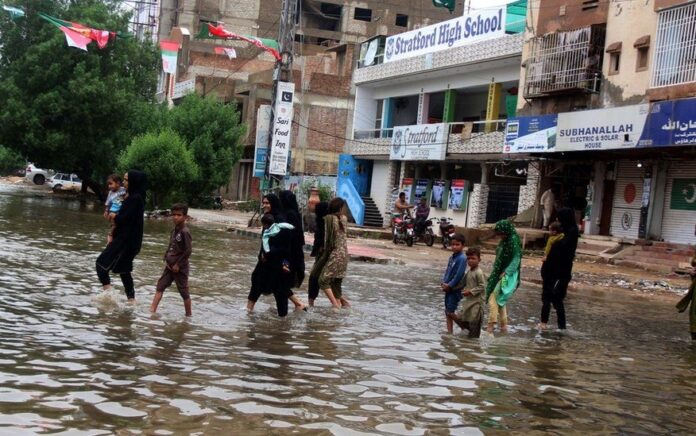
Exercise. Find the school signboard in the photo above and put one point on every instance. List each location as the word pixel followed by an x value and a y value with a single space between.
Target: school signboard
pixel 478 26
pixel 419 142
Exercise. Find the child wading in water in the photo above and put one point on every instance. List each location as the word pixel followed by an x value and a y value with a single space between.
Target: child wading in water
pixel 470 312
pixel 117 193
pixel 453 280
pixel 177 260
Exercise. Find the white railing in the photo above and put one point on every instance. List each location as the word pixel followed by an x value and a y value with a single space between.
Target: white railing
pixel 674 61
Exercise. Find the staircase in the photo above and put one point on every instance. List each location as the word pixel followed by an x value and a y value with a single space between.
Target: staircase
pixel 373 218
pixel 658 256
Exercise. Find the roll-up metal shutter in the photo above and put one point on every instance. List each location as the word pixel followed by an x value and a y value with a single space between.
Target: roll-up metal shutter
pixel 679 214
pixel 625 214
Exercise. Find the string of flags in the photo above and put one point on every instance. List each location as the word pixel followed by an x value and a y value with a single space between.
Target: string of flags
pixel 80 36
pixel 230 52
pixel 219 32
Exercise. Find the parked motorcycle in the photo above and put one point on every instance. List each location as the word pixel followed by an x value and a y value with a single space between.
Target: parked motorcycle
pixel 446 231
pixel 402 229
pixel 424 232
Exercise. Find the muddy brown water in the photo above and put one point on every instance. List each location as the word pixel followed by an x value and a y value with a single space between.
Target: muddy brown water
pixel 68 365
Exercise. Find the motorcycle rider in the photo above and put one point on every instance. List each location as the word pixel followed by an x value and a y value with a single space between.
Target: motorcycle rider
pixel 401 206
pixel 422 213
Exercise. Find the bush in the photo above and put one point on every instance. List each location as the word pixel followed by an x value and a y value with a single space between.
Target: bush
pixel 165 159
pixel 10 161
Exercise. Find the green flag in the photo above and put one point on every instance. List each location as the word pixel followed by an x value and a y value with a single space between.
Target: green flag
pixel 449 4
pixel 683 194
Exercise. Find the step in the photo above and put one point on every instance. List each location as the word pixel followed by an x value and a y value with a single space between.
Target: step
pixel 648 267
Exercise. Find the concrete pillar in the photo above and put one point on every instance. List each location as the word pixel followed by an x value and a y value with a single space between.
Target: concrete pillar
pixel 450 104
pixel 597 198
pixel 423 108
pixel 478 205
pixel 528 192
pixel 495 91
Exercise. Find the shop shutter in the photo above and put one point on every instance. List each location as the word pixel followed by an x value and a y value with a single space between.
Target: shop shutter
pixel 679 214
pixel 625 214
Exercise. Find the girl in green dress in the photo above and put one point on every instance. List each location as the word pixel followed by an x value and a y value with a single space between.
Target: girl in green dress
pixel 505 275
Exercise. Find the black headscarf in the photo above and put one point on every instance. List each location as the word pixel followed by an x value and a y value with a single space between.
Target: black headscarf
pixel 137 183
pixel 560 259
pixel 320 210
pixel 276 207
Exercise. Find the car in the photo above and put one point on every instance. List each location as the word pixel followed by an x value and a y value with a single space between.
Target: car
pixel 35 175
pixel 64 181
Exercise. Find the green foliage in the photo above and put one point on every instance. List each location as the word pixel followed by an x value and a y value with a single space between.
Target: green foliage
pixel 213 133
pixel 167 162
pixel 69 109
pixel 10 160
pixel 325 192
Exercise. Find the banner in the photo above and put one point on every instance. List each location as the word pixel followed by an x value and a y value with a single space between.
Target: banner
pixel 421 189
pixel 671 122
pixel 407 188
pixel 535 134
pixel 282 128
pixel 263 121
pixel 683 195
pixel 170 50
pixel 460 31
pixel 458 197
pixel 437 200
pixel 602 129
pixel 419 142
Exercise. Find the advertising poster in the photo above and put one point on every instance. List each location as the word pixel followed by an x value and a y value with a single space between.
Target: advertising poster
pixel 263 119
pixel 438 197
pixel 602 129
pixel 282 129
pixel 482 24
pixel 421 189
pixel 407 188
pixel 535 134
pixel 458 195
pixel 419 142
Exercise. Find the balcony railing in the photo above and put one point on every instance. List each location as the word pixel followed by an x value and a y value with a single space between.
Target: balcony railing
pixel 462 137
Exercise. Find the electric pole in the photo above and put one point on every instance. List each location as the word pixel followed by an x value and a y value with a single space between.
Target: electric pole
pixel 281 73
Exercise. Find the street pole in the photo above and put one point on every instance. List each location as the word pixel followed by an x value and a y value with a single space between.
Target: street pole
pixel 281 72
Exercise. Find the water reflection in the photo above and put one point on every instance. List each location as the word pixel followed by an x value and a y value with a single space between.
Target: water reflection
pixel 384 367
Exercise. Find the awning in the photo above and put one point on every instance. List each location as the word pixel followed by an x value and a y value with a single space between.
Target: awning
pixel 614 47
pixel 643 41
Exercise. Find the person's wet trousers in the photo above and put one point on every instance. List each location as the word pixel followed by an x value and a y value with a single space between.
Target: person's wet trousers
pixel 126 279
pixel 553 293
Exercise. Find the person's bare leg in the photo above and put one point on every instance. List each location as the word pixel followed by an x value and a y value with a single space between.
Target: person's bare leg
pixel 250 305
pixel 156 301
pixel 450 323
pixel 311 302
pixel 344 302
pixel 491 327
pixel 106 288
pixel 297 302
pixel 329 293
pixel 187 306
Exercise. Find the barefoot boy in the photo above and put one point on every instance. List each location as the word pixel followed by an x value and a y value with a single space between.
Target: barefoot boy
pixel 452 281
pixel 470 312
pixel 176 259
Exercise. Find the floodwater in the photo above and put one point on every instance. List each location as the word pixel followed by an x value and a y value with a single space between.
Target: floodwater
pixel 68 365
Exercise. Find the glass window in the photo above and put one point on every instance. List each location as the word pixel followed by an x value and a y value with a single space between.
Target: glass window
pixel 362 14
pixel 401 20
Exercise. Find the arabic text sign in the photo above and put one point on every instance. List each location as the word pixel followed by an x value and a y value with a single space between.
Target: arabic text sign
pixel 601 129
pixel 263 120
pixel 452 33
pixel 672 122
pixel 534 134
pixel 282 129
pixel 419 142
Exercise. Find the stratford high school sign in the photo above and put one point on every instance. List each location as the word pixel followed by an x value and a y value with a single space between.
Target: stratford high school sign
pixel 459 31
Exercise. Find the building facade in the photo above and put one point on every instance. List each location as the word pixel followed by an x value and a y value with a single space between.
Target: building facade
pixel 324 57
pixel 607 113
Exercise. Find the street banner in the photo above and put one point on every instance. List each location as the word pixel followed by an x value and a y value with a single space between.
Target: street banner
pixel 683 195
pixel 602 129
pixel 407 188
pixel 263 121
pixel 419 142
pixel 282 129
pixel 437 200
pixel 458 197
pixel 421 189
pixel 477 26
pixel 534 134
pixel 170 51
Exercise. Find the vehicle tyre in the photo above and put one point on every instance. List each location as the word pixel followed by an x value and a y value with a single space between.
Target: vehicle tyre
pixel 409 241
pixel 39 179
pixel 57 188
pixel 429 239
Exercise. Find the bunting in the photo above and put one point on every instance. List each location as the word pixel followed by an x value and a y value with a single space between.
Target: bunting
pixel 80 36
pixel 219 32
pixel 170 51
pixel 227 51
pixel 15 13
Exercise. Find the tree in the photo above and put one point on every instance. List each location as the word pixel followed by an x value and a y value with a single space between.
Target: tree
pixel 10 161
pixel 163 156
pixel 214 133
pixel 65 108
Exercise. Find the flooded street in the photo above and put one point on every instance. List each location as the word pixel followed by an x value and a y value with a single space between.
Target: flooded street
pixel 384 367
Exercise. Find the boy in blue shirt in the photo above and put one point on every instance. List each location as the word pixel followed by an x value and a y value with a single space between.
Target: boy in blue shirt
pixel 453 280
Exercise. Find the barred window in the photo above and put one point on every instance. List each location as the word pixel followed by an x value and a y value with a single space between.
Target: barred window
pixel 674 59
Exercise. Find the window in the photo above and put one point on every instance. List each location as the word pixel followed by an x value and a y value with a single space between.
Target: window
pixel 401 20
pixel 331 11
pixel 674 57
pixel 614 62
pixel 363 14
pixel 378 115
pixel 590 4
pixel 642 59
